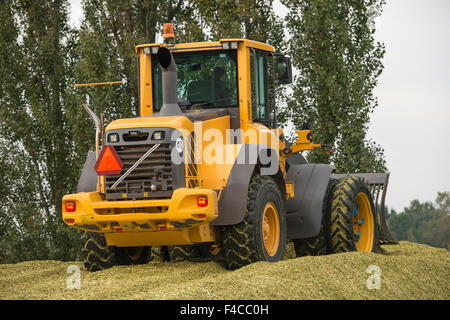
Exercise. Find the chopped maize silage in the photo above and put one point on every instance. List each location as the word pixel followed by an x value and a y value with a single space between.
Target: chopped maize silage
pixel 405 271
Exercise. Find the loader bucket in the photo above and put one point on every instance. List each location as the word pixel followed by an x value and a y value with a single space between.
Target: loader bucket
pixel 378 183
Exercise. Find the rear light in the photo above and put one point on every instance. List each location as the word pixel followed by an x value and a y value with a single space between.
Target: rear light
pixel 70 221
pixel 202 201
pixel 70 206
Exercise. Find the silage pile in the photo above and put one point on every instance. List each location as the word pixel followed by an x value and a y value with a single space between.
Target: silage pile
pixel 406 271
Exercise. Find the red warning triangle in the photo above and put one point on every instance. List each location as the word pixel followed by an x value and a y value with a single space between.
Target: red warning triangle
pixel 108 162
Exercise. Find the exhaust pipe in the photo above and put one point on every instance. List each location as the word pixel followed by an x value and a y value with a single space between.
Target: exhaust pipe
pixel 170 105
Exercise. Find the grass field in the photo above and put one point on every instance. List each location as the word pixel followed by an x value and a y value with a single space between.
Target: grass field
pixel 405 271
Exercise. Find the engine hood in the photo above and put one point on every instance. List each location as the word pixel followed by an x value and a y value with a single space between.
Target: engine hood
pixel 175 122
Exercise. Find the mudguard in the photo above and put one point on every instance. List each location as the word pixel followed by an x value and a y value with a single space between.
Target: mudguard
pixel 304 211
pixel 88 178
pixel 233 198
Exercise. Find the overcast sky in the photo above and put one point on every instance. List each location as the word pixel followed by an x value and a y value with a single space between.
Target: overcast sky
pixel 412 122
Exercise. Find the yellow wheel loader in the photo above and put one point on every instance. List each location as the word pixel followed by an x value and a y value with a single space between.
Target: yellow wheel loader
pixel 205 172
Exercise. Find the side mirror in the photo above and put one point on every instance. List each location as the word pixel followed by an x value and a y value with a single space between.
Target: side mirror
pixel 272 122
pixel 283 69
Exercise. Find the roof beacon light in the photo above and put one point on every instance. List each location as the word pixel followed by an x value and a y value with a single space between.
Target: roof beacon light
pixel 168 33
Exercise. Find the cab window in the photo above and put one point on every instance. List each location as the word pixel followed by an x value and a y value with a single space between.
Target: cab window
pixel 258 74
pixel 206 79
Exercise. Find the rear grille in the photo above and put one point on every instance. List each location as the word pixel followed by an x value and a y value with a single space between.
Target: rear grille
pixel 155 172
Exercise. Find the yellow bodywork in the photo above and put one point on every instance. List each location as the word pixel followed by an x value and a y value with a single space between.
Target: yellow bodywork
pixel 303 143
pixel 146 220
pixel 179 220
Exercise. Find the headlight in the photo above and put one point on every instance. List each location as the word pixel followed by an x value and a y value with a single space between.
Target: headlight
pixel 113 137
pixel 227 45
pixel 155 49
pixel 158 135
pixel 151 50
pixel 179 145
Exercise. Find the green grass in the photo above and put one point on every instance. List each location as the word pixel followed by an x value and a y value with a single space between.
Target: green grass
pixel 408 271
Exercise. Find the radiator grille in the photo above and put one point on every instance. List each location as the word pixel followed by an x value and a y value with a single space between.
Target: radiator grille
pixel 153 178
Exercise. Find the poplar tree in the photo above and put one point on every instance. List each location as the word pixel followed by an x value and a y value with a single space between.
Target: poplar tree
pixel 339 62
pixel 35 132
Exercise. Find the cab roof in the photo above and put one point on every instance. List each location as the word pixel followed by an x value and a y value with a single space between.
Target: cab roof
pixel 212 45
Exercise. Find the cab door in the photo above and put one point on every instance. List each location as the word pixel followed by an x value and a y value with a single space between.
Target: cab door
pixel 259 86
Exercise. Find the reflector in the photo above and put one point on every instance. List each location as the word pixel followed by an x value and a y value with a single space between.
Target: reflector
pixel 108 162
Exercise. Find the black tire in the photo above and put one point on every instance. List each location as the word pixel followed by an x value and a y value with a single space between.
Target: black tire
pixel 133 255
pixel 196 253
pixel 243 243
pixel 341 220
pixel 159 254
pixel 97 255
pixel 316 246
pixel 185 252
pixel 210 252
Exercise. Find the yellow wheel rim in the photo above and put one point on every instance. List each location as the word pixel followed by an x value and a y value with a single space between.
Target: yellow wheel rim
pixel 135 253
pixel 271 229
pixel 363 224
pixel 213 249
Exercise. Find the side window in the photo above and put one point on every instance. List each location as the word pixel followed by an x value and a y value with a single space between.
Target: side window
pixel 258 73
pixel 156 85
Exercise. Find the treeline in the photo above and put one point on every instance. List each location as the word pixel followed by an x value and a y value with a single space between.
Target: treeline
pixel 423 222
pixel 45 134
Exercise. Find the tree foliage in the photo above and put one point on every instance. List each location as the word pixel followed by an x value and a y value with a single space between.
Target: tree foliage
pixel 45 134
pixel 339 62
pixel 35 132
pixel 424 222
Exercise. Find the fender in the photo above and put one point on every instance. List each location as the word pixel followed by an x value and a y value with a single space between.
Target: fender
pixel 304 211
pixel 233 198
pixel 88 178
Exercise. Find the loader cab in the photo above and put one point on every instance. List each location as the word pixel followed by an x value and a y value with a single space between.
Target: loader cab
pixel 236 76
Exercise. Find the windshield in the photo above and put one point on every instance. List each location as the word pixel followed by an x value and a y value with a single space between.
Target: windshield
pixel 206 79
